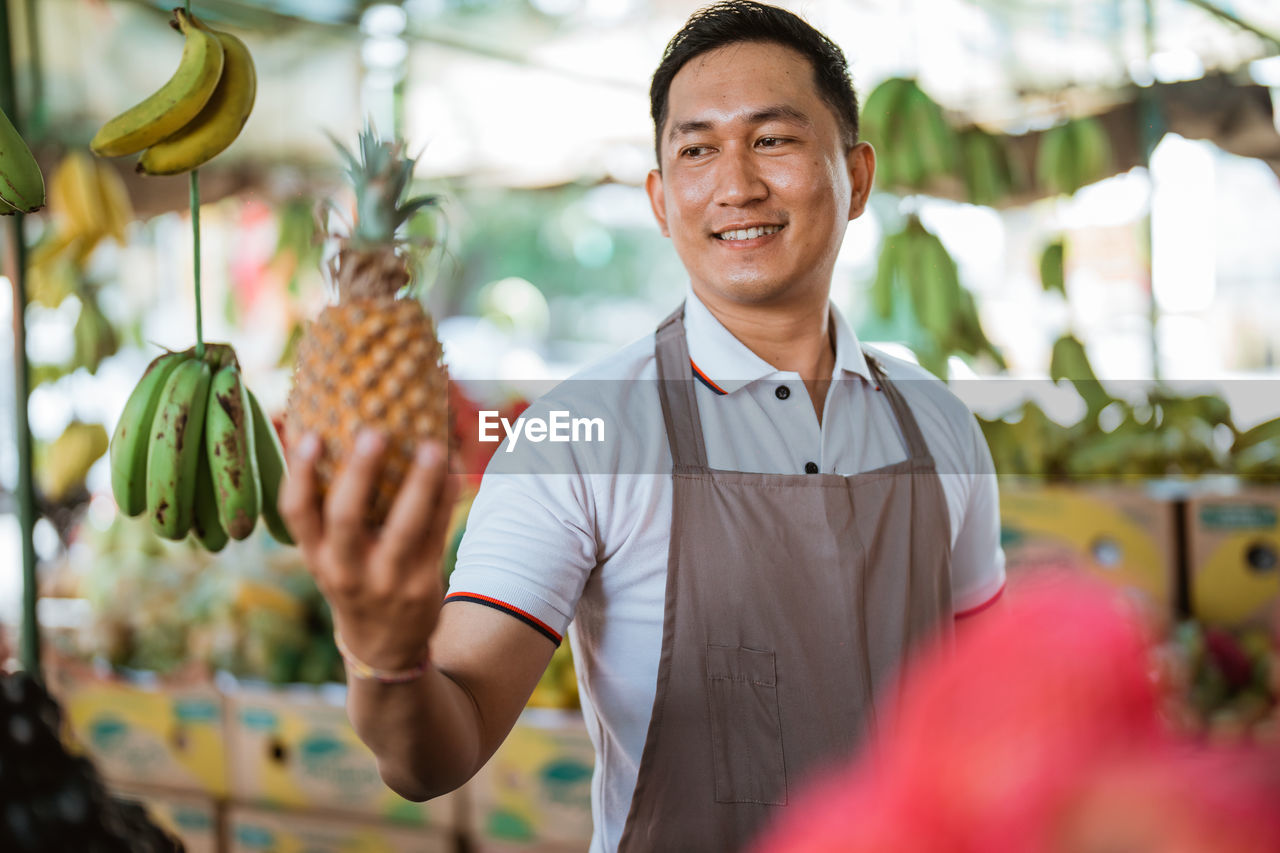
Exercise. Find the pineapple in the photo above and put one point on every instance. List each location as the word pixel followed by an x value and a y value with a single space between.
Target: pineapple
pixel 372 359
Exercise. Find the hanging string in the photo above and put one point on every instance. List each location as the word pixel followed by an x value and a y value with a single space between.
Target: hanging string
pixel 195 250
pixel 195 246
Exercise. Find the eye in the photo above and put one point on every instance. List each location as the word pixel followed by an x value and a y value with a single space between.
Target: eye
pixel 770 141
pixel 694 151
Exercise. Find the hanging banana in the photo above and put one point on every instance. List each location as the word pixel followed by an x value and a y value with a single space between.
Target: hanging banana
pixel 170 107
pixel 196 114
pixel 217 125
pixel 194 451
pixel 21 181
pixel 914 143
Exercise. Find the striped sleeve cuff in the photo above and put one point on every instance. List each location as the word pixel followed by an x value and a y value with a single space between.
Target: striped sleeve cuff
pixel 523 615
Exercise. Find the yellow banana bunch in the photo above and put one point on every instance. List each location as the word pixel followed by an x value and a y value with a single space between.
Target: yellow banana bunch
pixel 196 114
pixel 1073 155
pixel 68 459
pixel 21 181
pixel 914 144
pixel 88 202
pixel 190 450
pixel 217 125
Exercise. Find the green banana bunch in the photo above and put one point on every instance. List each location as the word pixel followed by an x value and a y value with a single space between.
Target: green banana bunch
pixel 988 171
pixel 21 182
pixel 914 144
pixel 95 337
pixel 1267 432
pixel 229 449
pixel 1053 273
pixel 1073 155
pixel 1069 361
pixel 916 262
pixel 173 454
pixel 217 125
pixel 271 468
pixel 205 523
pixel 133 432
pixel 193 450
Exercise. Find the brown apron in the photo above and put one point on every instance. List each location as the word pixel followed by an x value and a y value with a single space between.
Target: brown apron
pixel 790 597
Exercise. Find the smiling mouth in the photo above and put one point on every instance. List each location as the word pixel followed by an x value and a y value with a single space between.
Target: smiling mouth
pixel 748 233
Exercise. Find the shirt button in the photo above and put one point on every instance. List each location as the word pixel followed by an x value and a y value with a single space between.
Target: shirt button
pixel 811 467
pixel 782 392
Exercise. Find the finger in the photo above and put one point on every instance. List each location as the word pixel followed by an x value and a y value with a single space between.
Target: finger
pixel 299 499
pixel 351 494
pixel 407 528
pixel 445 504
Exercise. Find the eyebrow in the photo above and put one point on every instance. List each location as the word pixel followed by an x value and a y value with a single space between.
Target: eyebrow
pixel 777 112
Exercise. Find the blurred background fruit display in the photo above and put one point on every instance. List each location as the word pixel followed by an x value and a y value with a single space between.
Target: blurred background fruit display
pixel 1073 224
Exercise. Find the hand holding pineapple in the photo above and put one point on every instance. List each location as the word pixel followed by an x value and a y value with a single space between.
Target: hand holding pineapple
pixel 384 585
pixel 369 415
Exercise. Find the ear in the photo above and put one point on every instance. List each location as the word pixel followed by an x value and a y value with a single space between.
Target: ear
pixel 657 200
pixel 861 162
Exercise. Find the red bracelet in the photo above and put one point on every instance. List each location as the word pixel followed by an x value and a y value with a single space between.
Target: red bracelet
pixel 363 671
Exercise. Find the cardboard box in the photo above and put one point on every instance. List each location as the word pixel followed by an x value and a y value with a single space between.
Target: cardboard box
pixel 295 748
pixel 537 786
pixel 152 735
pixel 196 820
pixel 252 830
pixel 1233 542
pixel 489 845
pixel 1117 533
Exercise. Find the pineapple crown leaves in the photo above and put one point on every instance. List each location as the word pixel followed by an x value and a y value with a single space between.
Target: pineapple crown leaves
pixel 381 174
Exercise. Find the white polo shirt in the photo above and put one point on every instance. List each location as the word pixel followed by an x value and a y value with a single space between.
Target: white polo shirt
pixel 582 545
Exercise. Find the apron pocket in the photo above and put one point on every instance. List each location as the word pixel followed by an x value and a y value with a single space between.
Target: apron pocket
pixel 746 732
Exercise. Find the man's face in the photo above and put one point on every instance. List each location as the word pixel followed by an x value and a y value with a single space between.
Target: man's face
pixel 756 187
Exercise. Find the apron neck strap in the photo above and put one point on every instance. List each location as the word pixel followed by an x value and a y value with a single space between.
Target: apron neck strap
pixel 675 389
pixel 916 446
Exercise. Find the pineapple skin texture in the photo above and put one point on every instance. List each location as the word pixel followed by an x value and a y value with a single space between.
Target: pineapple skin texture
pixel 372 362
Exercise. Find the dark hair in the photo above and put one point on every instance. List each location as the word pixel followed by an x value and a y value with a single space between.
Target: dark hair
pixel 733 21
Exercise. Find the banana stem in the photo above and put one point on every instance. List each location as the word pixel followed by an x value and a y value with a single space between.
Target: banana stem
pixel 195 249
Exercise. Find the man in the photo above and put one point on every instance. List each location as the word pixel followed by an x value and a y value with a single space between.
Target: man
pixel 745 566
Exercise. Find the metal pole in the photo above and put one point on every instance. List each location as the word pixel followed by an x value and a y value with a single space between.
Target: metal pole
pixel 16 263
pixel 1150 132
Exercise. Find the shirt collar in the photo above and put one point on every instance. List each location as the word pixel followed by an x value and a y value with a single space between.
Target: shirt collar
pixel 729 365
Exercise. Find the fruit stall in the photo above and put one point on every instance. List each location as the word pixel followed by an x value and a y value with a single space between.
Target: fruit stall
pixel 231 224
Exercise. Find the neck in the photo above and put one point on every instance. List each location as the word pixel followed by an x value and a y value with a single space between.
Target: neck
pixel 797 337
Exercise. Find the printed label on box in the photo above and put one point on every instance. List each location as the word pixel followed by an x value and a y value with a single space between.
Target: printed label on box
pixel 537 786
pixel 163 737
pixel 296 750
pixel 259 831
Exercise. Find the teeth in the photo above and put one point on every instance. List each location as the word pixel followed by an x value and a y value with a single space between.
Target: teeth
pixel 749 233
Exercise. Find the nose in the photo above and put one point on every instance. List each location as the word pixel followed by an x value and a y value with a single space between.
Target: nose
pixel 738 178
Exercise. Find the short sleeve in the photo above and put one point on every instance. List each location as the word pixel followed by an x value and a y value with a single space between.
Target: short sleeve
pixel 530 540
pixel 977 560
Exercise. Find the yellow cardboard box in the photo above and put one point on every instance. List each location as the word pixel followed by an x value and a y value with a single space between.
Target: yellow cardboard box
pixel 196 820
pixel 252 830
pixel 1234 558
pixel 137 734
pixel 294 748
pixel 537 786
pixel 1117 533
